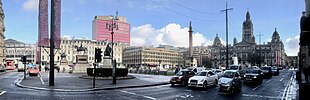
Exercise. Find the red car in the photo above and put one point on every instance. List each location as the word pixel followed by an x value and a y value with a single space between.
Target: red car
pixel 181 77
pixel 33 71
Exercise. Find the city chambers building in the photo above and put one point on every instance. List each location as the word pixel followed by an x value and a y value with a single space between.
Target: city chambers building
pixel 247 50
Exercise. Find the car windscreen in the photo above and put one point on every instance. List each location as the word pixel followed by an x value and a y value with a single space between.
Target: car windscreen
pixel 181 73
pixel 274 68
pixel 228 74
pixel 201 74
pixel 265 68
pixel 233 67
pixel 253 71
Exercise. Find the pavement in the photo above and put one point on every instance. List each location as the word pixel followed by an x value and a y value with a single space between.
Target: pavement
pixel 66 82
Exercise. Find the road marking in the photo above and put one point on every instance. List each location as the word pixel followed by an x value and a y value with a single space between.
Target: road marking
pixel 281 79
pixel 260 96
pixel 268 81
pixel 152 98
pixel 128 92
pixel 2 93
pixel 41 78
pixel 257 87
pixel 261 85
pixel 286 90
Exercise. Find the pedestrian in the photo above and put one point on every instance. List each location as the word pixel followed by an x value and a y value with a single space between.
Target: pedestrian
pixel 63 69
pixel 58 69
pixel 176 70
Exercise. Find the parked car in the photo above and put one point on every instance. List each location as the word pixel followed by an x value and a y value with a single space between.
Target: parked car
pixel 239 68
pixel 191 69
pixel 254 76
pixel 2 68
pixel 280 68
pixel 33 71
pixel 203 79
pixel 267 71
pixel 218 72
pixel 275 70
pixel 181 77
pixel 230 82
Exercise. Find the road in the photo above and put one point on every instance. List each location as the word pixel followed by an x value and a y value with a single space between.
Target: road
pixel 274 88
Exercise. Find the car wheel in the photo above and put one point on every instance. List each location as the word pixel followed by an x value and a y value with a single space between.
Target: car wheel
pixel 205 85
pixel 183 83
pixel 215 83
pixel 232 90
pixel 240 87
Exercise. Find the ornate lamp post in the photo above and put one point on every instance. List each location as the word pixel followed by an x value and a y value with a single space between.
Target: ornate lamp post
pixel 110 27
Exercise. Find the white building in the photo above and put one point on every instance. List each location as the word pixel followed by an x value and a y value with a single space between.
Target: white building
pixel 68 48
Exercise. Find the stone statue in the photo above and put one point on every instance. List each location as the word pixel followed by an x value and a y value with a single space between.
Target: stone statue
pixel 107 51
pixel 81 48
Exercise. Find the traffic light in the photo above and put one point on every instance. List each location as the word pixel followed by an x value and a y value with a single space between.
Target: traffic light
pixel 24 59
pixel 98 56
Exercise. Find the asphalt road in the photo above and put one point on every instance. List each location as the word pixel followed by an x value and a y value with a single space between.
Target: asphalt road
pixel 274 88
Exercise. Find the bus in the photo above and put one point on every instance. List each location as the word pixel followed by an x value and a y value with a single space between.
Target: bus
pixel 10 65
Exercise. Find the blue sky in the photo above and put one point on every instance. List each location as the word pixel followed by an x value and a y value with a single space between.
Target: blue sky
pixel 156 22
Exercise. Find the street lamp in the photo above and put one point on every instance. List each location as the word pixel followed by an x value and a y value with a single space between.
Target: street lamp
pixel 110 27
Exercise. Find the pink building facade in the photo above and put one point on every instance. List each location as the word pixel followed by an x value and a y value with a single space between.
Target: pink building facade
pixel 100 32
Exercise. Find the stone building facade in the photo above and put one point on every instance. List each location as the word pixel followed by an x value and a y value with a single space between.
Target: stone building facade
pixel 2 37
pixel 15 50
pixel 248 51
pixel 152 57
pixel 69 52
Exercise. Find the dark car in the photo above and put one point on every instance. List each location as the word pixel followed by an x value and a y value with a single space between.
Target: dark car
pixel 280 68
pixel 254 76
pixel 230 82
pixel 275 70
pixel 2 68
pixel 267 71
pixel 181 77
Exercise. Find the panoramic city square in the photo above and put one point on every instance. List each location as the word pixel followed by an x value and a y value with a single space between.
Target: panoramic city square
pixel 154 50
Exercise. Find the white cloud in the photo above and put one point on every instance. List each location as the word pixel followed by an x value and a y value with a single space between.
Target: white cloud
pixel 292 46
pixel 172 34
pixel 31 5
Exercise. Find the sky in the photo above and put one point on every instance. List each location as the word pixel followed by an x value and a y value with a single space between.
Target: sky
pixel 154 22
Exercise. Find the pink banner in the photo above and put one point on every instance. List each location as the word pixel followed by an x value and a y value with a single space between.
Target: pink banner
pixel 57 22
pixel 43 37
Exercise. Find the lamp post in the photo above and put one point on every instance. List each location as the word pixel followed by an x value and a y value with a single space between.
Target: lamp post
pixel 111 27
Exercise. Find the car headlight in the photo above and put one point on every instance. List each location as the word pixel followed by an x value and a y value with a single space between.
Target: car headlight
pixel 202 80
pixel 244 76
pixel 254 77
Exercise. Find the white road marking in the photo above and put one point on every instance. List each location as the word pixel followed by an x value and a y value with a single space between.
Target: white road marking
pixel 268 81
pixel 128 92
pixel 260 96
pixel 281 79
pixel 149 97
pixel 2 93
pixel 40 75
pixel 257 87
pixel 261 85
pixel 285 93
pixel 152 98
